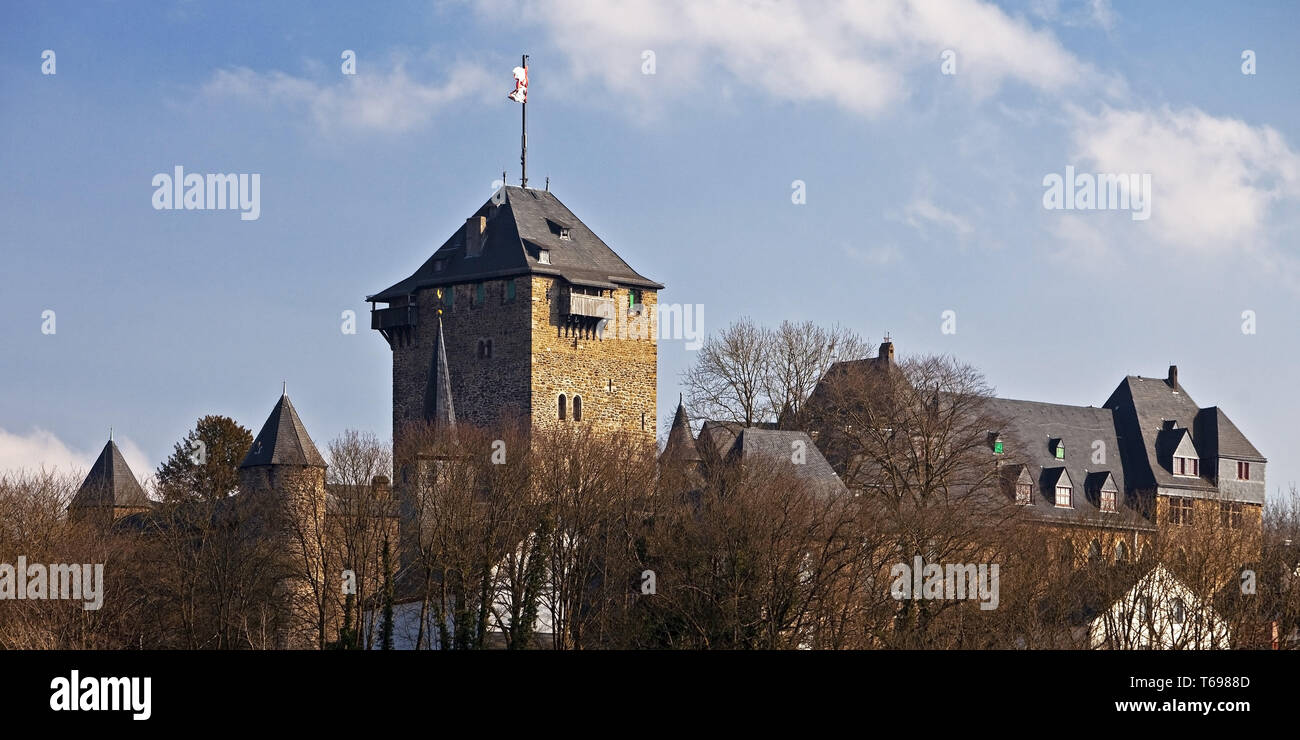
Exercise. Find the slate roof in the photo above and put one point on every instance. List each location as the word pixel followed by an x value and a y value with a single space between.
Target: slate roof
pixel 1027 429
pixel 1144 405
pixel 438 407
pixel 283 440
pixel 777 446
pixel 525 222
pixel 1223 437
pixel 681 442
pixel 110 482
pixel 717 437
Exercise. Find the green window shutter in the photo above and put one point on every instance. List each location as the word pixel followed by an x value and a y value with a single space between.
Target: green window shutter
pixel 450 292
pixel 510 290
pixel 480 293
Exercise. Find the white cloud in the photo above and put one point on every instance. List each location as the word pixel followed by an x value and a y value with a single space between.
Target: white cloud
pixel 854 55
pixel 41 449
pixel 1078 13
pixel 923 211
pixel 1214 180
pixel 389 102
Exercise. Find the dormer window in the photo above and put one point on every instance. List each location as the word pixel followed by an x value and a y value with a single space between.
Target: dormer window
pixel 544 256
pixel 1187 466
pixel 1108 502
pixel 439 265
pixel 1024 493
pixel 561 231
pixel 1057 446
pixel 1064 497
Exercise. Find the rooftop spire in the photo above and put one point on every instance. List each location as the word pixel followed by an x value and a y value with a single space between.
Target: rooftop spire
pixel 283 440
pixel 438 407
pixel 110 482
pixel 681 442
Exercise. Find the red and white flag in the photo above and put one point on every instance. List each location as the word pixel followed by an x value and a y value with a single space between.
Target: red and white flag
pixel 520 93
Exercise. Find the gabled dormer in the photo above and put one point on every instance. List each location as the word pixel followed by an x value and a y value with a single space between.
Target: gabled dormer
pixel 1176 451
pixel 1057 485
pixel 1019 484
pixel 1102 491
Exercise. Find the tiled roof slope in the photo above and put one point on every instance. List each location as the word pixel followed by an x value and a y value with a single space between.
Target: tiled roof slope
pixel 1091 447
pixel 283 440
pixel 526 222
pixel 110 482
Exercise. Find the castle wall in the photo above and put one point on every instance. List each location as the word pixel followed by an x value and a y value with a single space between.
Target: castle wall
pixel 616 376
pixel 484 389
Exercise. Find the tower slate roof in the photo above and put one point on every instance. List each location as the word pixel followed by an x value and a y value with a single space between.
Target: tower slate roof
pixel 681 442
pixel 283 440
pixel 526 222
pixel 438 407
pixel 110 482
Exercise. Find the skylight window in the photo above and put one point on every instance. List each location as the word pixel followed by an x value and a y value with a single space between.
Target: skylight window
pixel 544 256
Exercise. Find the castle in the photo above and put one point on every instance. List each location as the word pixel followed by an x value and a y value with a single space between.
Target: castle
pixel 520 296
pixel 506 323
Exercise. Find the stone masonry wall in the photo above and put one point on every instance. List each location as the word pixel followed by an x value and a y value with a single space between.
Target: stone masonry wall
pixel 483 389
pixel 585 366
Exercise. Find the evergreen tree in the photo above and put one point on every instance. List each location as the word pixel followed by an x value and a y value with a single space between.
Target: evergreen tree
pixel 204 466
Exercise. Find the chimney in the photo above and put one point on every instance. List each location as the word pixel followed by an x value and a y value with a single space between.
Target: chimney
pixel 1172 380
pixel 474 228
pixel 886 353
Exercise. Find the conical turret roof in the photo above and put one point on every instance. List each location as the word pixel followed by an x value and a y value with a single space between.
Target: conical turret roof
pixel 110 482
pixel 283 440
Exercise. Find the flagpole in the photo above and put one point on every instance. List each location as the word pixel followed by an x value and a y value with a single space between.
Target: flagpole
pixel 523 134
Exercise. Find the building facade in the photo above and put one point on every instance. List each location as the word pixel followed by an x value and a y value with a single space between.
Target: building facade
pixel 542 323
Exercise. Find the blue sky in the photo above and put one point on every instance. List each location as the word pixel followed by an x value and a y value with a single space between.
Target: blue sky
pixel 924 191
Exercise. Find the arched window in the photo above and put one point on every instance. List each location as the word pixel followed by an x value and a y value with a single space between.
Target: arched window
pixel 563 402
pixel 1094 552
pixel 1121 552
pixel 577 408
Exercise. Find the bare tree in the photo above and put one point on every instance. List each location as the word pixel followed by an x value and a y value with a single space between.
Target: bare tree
pixel 729 379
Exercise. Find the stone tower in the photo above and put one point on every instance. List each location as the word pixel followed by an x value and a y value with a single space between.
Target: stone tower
pixel 282 500
pixel 110 490
pixel 542 322
pixel 283 462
